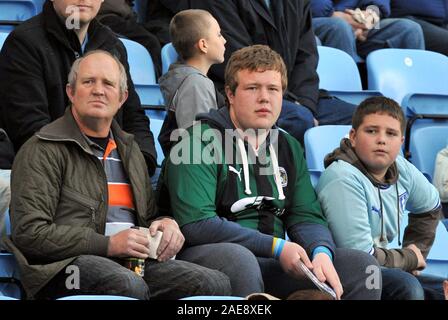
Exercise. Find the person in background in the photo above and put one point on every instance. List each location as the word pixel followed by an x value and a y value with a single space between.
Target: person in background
pixel 431 15
pixel 186 88
pixel 34 64
pixel 362 26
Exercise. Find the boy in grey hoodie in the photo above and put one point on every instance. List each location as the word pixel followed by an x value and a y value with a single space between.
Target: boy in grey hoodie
pixel 187 90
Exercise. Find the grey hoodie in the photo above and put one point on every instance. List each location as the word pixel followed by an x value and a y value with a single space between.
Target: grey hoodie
pixel 187 93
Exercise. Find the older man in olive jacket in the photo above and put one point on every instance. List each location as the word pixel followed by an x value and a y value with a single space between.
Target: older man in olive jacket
pixel 79 173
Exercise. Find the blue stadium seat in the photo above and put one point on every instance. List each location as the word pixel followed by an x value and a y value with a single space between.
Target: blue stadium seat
pixel 169 56
pixel 7 223
pixel 38 4
pixel 140 63
pixel 3 36
pixel 337 70
pixel 321 140
pixel 399 72
pixel 417 80
pixel 425 110
pixel 425 104
pixel 143 74
pixel 7 298
pixel 9 276
pixel 13 12
pixel 427 139
pixel 150 96
pixel 9 273
pixel 338 73
pixel 156 121
pixel 96 297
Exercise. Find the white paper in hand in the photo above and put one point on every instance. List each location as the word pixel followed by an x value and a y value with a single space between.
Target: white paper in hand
pixel 154 244
pixel 319 284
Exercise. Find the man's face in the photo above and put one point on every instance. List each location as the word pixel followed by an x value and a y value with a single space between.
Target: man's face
pixel 88 9
pixel 377 142
pixel 97 92
pixel 257 101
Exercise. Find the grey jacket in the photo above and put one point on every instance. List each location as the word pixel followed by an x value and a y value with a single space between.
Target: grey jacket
pixel 187 92
pixel 59 199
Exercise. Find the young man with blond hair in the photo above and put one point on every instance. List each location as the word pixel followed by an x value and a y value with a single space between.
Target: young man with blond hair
pixel 244 183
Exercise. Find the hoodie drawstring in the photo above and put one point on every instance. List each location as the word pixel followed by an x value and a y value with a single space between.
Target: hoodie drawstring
pixel 382 238
pixel 245 166
pixel 277 178
pixel 398 214
pixel 382 217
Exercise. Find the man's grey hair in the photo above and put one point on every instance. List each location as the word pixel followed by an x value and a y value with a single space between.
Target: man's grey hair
pixel 73 75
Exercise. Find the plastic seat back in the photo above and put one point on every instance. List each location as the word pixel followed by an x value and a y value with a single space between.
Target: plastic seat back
pixel 337 70
pixel 427 139
pixel 140 62
pixel 3 36
pixel 398 72
pixel 156 121
pixel 169 56
pixel 339 74
pixel 321 140
pixel 17 10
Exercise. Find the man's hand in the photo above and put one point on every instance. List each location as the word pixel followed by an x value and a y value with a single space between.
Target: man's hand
pixel 291 254
pixel 360 30
pixel 349 19
pixel 361 35
pixel 324 270
pixel 172 239
pixel 421 260
pixel 128 243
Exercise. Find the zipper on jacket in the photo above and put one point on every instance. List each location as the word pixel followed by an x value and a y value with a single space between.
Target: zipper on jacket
pixel 92 210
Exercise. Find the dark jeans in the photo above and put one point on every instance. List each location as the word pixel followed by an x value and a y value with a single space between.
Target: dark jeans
pixel 401 285
pixel 296 119
pixel 436 37
pixel 173 279
pixel 392 33
pixel 249 274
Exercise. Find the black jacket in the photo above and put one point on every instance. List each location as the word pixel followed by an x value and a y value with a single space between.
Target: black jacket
pixel 34 65
pixel 288 31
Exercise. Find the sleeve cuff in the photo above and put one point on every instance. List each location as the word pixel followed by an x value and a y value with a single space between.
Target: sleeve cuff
pixel 322 249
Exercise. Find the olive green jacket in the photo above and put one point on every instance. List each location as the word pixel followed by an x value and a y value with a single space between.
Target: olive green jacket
pixel 59 199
